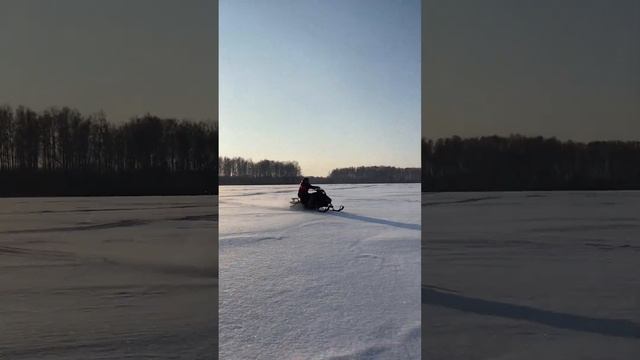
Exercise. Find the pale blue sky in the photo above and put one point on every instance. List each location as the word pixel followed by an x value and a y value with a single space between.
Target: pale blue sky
pixel 327 83
pixel 563 68
pixel 121 56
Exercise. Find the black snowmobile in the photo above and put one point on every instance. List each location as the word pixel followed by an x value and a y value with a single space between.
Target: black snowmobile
pixel 319 201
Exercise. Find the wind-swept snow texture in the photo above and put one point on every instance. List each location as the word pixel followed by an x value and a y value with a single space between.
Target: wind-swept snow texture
pixel 298 284
pixel 108 278
pixel 539 275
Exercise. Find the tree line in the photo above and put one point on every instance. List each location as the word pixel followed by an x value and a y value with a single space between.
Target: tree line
pixel 528 163
pixel 60 151
pixel 375 174
pixel 238 170
pixel 240 167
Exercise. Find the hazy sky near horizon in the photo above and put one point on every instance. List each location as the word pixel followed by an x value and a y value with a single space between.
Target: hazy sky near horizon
pixel 563 68
pixel 124 57
pixel 327 83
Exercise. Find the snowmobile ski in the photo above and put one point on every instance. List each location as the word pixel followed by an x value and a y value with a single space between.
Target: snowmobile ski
pixel 330 207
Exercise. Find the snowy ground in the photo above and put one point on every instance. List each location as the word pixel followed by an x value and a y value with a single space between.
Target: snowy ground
pixel 298 284
pixel 531 275
pixel 108 278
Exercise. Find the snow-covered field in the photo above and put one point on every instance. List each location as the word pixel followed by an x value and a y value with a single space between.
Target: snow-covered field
pixel 108 278
pixel 549 275
pixel 297 284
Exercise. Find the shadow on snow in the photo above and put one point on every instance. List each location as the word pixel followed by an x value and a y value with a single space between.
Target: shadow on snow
pixel 378 221
pixel 610 327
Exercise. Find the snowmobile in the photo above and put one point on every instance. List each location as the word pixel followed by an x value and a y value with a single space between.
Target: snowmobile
pixel 319 201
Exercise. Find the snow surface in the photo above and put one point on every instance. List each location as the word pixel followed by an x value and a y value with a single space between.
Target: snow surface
pixel 108 278
pixel 298 284
pixel 539 275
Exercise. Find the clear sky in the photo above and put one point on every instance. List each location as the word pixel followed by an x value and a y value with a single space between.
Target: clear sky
pixel 327 83
pixel 121 56
pixel 563 68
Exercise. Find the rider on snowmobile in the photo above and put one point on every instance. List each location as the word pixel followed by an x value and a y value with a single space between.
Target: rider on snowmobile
pixel 303 191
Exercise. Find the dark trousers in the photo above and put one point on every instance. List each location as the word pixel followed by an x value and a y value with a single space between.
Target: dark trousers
pixel 309 200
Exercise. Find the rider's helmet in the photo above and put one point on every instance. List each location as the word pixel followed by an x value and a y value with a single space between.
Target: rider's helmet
pixel 305 181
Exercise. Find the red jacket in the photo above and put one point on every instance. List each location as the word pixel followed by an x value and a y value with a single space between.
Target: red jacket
pixel 304 189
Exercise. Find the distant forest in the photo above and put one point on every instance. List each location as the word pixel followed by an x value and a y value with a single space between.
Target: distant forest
pixel 61 152
pixel 380 174
pixel 528 163
pixel 241 171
